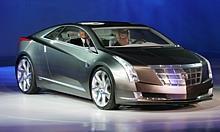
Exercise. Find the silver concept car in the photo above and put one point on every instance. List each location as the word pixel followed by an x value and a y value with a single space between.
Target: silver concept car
pixel 112 63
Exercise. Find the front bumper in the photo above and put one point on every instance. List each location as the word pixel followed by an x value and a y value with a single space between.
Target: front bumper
pixel 147 101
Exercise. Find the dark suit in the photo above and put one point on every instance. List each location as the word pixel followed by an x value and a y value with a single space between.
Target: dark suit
pixel 78 42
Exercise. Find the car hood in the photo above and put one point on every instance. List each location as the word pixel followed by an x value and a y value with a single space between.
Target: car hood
pixel 155 55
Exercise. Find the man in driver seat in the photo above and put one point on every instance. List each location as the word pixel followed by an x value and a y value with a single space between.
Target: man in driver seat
pixel 83 39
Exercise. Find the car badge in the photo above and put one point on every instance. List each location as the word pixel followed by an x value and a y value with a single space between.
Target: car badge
pixel 185 76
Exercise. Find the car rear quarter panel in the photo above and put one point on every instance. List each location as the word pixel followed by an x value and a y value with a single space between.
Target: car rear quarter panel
pixel 35 51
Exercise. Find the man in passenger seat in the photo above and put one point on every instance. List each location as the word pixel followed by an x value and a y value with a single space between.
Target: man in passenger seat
pixel 122 37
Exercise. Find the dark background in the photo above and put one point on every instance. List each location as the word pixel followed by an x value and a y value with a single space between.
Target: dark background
pixel 192 23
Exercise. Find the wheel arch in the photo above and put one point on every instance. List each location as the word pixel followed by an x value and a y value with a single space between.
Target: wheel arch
pixel 21 55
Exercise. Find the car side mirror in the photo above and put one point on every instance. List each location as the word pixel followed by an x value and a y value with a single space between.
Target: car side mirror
pixel 91 49
pixel 178 45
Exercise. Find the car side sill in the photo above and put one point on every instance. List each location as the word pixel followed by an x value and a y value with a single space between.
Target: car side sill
pixel 61 83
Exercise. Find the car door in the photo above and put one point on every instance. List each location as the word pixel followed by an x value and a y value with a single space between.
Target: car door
pixel 68 62
pixel 39 45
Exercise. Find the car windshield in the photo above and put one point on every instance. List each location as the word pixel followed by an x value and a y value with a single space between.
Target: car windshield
pixel 131 37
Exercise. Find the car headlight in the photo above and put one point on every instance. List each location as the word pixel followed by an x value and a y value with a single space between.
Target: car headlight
pixel 209 65
pixel 131 73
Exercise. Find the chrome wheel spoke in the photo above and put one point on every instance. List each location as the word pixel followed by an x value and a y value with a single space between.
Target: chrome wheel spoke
pixel 103 99
pixel 28 76
pixel 24 64
pixel 103 77
pixel 95 85
pixel 98 78
pixel 99 96
pixel 95 88
pixel 21 79
pixel 107 94
pixel 107 83
pixel 20 70
pixel 28 82
pixel 20 85
pixel 24 85
pixel 28 79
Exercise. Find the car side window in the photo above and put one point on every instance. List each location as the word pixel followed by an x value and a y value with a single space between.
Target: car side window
pixel 54 34
pixel 68 33
pixel 76 36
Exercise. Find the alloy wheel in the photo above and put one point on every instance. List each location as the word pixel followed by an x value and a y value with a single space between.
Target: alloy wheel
pixel 101 88
pixel 24 74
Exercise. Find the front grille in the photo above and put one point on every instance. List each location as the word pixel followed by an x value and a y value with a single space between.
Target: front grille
pixel 179 75
pixel 194 76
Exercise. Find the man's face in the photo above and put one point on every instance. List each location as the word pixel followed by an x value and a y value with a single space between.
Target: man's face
pixel 83 35
pixel 123 35
pixel 123 38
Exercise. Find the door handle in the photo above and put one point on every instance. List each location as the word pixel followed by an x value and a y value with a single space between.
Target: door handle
pixel 86 65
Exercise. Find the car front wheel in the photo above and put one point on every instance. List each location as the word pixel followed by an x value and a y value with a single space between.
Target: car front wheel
pixel 102 89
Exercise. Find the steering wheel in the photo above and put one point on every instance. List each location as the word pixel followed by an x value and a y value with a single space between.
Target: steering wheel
pixel 141 41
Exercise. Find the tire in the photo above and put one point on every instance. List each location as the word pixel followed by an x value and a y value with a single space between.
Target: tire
pixel 25 76
pixel 102 88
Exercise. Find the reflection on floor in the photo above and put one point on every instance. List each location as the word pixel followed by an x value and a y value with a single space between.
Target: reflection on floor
pixel 52 111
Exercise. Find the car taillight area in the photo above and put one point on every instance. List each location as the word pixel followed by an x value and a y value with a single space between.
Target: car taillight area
pixel 21 39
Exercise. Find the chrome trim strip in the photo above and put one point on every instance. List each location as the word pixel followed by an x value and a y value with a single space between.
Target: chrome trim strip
pixel 144 99
pixel 207 80
pixel 61 83
pixel 125 98
pixel 122 27
pixel 210 92
pixel 177 66
pixel 203 96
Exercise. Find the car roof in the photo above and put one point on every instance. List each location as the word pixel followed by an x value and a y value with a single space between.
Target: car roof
pixel 97 24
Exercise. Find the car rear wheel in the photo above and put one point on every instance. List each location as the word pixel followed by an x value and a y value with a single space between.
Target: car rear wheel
pixel 102 89
pixel 25 76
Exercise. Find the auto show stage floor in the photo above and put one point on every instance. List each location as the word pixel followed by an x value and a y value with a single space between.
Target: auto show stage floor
pixel 53 111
